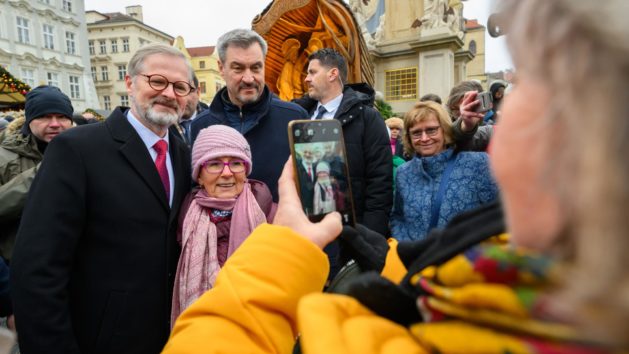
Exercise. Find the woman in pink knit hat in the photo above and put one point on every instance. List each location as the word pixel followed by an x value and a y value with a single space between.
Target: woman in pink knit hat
pixel 219 214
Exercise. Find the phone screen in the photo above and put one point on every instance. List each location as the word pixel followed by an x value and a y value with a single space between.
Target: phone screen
pixel 321 171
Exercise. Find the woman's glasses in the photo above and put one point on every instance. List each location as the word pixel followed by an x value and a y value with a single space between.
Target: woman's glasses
pixel 417 134
pixel 217 166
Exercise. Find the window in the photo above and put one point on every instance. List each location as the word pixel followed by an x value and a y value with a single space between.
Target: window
pixel 107 102
pixel 94 74
pixel 75 88
pixel 49 39
pixel 124 100
pixel 104 73
pixel 70 44
pixel 122 72
pixel 202 64
pixel 67 5
pixel 400 84
pixel 473 47
pixel 103 46
pixel 125 45
pixel 114 46
pixel 91 46
pixel 22 30
pixel 28 76
pixel 202 86
pixel 53 79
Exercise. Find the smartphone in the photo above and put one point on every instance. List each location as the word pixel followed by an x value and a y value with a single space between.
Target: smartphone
pixel 320 164
pixel 485 102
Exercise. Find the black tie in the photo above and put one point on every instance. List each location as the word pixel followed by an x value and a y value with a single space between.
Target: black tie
pixel 320 112
pixel 185 125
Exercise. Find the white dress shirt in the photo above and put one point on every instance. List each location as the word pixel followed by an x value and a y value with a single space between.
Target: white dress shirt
pixel 331 107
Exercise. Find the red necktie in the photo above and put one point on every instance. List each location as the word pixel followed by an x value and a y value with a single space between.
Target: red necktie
pixel 310 172
pixel 161 146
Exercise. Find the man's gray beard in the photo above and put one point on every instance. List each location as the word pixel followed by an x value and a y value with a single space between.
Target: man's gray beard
pixel 155 118
pixel 161 119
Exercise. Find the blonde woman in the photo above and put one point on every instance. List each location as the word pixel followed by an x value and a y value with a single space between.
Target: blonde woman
pixel 439 182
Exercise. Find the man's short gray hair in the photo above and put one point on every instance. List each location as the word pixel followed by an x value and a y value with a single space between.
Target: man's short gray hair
pixel 136 63
pixel 241 38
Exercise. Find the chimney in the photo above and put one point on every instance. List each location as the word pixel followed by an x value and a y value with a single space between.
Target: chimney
pixel 135 11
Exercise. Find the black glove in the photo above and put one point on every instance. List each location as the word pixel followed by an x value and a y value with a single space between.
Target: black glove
pixel 368 248
pixel 385 298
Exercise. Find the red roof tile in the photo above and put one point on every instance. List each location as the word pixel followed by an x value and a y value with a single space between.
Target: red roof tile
pixel 471 24
pixel 201 51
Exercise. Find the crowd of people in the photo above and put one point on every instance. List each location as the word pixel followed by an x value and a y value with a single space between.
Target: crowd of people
pixel 176 227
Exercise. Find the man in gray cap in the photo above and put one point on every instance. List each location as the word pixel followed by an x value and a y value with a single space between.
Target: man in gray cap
pixel 48 112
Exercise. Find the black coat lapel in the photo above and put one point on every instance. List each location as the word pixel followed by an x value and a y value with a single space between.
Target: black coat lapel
pixel 133 149
pixel 180 158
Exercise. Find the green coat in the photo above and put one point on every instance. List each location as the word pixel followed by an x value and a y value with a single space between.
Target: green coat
pixel 19 161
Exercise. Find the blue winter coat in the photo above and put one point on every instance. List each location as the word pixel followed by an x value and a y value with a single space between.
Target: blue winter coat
pixel 417 184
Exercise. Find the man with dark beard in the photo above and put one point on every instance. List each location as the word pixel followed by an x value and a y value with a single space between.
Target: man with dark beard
pixel 95 255
pixel 247 105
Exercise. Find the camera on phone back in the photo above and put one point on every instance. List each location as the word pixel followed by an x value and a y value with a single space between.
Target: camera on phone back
pixel 484 102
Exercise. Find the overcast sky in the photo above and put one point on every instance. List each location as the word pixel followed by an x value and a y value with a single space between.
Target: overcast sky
pixel 201 22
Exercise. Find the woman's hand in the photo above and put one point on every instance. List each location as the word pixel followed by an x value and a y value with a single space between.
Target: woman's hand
pixel 469 117
pixel 291 214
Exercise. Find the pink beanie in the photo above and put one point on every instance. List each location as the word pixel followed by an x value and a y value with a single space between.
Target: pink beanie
pixel 218 141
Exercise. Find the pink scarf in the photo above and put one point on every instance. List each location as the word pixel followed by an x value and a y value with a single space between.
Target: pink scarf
pixel 198 265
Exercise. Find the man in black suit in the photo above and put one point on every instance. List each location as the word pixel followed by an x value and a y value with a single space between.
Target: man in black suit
pixel 306 169
pixel 193 107
pixel 96 250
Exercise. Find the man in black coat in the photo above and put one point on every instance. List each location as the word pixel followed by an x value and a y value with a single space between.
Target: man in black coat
pixel 96 251
pixel 366 140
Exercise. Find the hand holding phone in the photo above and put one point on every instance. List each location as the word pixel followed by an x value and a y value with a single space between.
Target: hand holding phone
pixel 469 116
pixel 484 102
pixel 290 214
pixel 320 165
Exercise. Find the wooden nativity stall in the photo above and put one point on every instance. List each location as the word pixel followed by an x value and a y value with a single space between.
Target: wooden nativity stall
pixel 294 29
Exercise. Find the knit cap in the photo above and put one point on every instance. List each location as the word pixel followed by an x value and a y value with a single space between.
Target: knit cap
pixel 218 141
pixel 323 167
pixel 44 100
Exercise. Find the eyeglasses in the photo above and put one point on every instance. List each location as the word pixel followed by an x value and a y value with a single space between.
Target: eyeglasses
pixel 160 83
pixel 217 166
pixel 417 134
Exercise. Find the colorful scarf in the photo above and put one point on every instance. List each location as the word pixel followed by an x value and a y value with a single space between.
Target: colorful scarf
pixel 490 299
pixel 198 265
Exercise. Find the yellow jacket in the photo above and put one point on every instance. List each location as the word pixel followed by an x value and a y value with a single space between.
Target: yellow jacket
pixel 253 307
pixel 270 291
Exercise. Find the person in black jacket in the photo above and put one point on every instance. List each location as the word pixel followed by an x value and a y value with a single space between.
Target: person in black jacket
pixel 366 140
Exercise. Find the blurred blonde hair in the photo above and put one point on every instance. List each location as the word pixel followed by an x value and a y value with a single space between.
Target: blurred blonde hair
pixel 395 122
pixel 420 112
pixel 578 50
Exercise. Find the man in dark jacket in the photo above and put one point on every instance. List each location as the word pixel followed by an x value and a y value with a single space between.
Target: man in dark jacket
pixel 95 256
pixel 247 105
pixel 366 140
pixel 48 112
pixel 190 113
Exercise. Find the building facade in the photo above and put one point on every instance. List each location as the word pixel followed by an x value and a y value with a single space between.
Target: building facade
pixel 45 42
pixel 475 44
pixel 112 40
pixel 204 62
pixel 417 47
